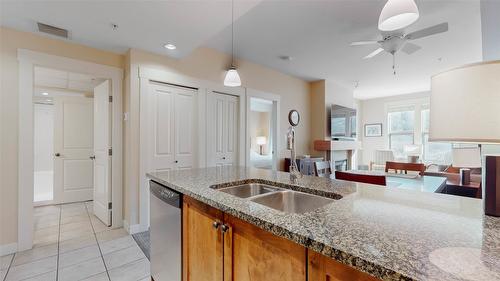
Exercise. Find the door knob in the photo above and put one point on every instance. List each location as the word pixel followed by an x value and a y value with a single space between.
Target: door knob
pixel 216 224
pixel 176 161
pixel 57 154
pixel 223 158
pixel 92 157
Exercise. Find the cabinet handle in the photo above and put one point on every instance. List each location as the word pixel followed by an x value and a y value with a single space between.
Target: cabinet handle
pixel 216 224
pixel 224 228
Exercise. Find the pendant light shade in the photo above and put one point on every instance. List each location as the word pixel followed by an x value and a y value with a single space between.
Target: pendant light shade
pixel 232 78
pixel 397 14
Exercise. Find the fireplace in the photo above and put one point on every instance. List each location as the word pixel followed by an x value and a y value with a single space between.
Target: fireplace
pixel 340 153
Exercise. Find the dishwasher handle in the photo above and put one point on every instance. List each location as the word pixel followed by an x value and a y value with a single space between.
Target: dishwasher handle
pixel 167 195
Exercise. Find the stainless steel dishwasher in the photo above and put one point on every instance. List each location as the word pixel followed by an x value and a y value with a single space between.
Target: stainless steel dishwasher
pixel 165 233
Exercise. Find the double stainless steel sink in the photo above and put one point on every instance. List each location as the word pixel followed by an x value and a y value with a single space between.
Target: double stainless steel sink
pixel 280 199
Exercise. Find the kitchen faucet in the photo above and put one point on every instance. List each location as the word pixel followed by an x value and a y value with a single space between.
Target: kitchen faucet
pixel 294 170
pixel 293 119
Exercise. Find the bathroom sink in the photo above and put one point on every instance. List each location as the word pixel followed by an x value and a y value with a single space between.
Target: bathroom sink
pixel 249 190
pixel 292 201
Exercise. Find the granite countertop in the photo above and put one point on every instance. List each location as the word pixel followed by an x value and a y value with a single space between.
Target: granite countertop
pixel 393 234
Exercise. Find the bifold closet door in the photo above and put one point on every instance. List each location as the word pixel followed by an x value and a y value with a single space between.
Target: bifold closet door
pixel 222 129
pixel 171 127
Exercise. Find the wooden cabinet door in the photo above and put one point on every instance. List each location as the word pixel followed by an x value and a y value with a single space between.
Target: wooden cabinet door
pixel 252 254
pixel 202 242
pixel 322 268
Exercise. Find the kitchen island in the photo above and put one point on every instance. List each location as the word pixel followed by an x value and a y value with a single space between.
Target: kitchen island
pixel 391 234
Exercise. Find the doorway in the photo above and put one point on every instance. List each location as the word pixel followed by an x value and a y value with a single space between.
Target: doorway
pixel 33 96
pixel 261 136
pixel 71 129
pixel 262 130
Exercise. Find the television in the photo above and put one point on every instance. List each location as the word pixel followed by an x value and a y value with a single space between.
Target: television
pixel 343 123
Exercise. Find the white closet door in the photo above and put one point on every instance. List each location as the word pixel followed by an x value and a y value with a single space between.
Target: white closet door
pixel 232 114
pixel 172 123
pixel 185 128
pixel 102 157
pixel 73 146
pixel 222 130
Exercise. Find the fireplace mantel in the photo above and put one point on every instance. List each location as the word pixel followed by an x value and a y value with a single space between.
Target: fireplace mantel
pixel 333 145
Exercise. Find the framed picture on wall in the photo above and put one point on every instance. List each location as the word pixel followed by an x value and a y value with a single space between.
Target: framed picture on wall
pixel 373 130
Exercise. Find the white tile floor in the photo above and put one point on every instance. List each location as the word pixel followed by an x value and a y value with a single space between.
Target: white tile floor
pixel 70 243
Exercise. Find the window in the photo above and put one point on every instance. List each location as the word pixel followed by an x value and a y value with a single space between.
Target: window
pixel 433 152
pixel 401 129
pixel 353 126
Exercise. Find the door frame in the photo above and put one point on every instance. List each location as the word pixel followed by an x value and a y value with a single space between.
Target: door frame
pixel 27 60
pixel 146 75
pixel 251 93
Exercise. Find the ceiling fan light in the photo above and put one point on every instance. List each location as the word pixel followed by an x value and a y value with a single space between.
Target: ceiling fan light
pixel 397 14
pixel 232 78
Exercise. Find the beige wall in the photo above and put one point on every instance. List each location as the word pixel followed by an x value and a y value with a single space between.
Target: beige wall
pixel 374 111
pixel 318 112
pixel 323 94
pixel 210 65
pixel 11 40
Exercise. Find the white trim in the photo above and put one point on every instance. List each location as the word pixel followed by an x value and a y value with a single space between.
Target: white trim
pixel 251 93
pixel 8 249
pixel 27 61
pixel 144 76
pixel 133 229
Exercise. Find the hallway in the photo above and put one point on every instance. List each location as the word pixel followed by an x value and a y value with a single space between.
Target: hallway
pixel 70 243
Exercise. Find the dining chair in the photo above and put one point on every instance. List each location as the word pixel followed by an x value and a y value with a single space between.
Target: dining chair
pixel 398 166
pixel 379 159
pixel 372 179
pixel 322 169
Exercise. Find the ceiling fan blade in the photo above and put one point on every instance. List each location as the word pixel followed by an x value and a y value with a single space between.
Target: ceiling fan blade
pixel 359 43
pixel 374 53
pixel 439 28
pixel 410 48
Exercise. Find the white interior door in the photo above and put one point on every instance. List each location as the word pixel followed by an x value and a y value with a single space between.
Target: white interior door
pixel 222 129
pixel 102 152
pixel 171 127
pixel 73 146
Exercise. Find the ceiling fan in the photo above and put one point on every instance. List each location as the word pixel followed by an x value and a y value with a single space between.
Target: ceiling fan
pixel 395 16
pixel 397 40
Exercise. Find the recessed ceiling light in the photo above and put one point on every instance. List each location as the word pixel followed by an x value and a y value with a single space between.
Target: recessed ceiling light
pixel 286 58
pixel 170 46
pixel 45 94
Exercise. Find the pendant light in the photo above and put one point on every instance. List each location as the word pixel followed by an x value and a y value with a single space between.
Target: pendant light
pixel 232 77
pixel 397 14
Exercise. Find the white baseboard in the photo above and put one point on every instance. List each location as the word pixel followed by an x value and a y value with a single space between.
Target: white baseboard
pixel 133 229
pixel 8 249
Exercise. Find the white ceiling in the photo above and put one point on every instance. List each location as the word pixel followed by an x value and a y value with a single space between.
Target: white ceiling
pixel 146 25
pixel 315 33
